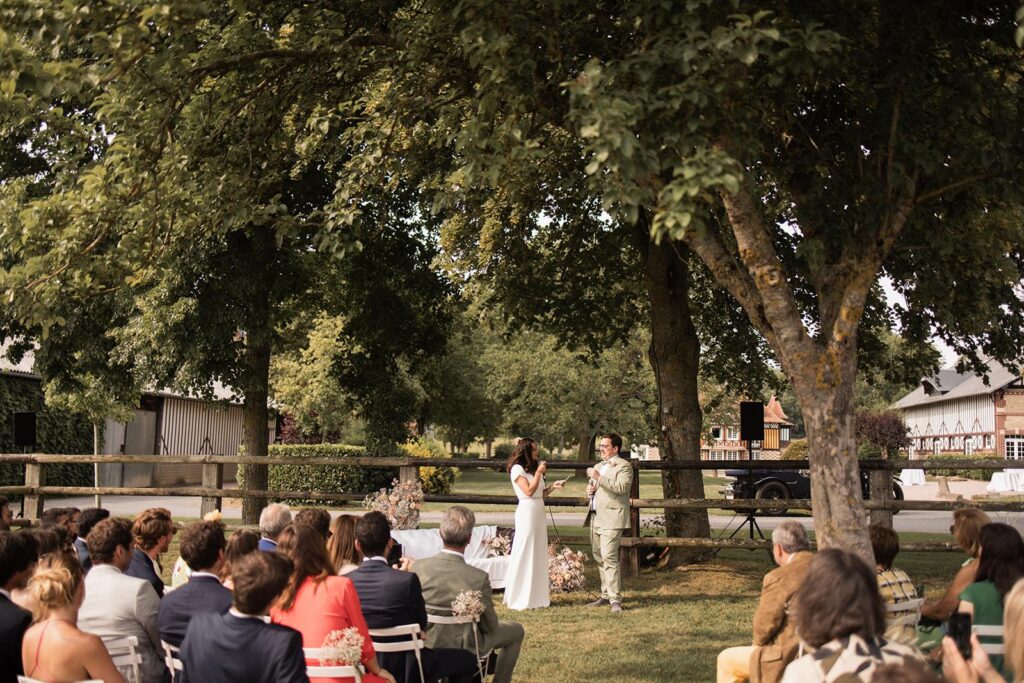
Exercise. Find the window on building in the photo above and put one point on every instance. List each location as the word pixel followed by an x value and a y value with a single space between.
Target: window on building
pixel 784 433
pixel 969 445
pixel 716 433
pixel 1015 447
pixel 732 434
pixel 732 455
pixel 936 446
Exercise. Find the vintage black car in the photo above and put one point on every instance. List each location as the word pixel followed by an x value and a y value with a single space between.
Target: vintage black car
pixel 782 485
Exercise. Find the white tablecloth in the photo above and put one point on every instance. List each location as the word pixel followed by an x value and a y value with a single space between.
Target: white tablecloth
pixel 912 477
pixel 1006 481
pixel 419 543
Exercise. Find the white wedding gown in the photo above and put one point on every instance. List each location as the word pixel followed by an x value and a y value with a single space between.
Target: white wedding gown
pixel 527 583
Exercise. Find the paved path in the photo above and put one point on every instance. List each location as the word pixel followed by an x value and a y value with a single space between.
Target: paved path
pixel 920 521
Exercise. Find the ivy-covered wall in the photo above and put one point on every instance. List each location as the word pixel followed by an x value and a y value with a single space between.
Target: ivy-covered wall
pixel 57 431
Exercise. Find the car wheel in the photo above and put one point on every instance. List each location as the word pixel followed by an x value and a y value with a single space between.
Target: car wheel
pixel 773 490
pixel 897 494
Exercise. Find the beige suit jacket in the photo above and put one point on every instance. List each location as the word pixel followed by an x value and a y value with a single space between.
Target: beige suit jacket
pixel 442 578
pixel 775 639
pixel 611 500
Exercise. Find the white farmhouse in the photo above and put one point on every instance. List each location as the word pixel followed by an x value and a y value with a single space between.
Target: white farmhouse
pixel 955 412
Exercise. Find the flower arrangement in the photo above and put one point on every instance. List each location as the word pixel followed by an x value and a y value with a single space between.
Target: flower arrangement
pixel 343 647
pixel 468 604
pixel 565 570
pixel 497 546
pixel 401 504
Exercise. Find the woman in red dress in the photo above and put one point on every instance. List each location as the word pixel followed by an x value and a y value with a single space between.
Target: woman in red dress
pixel 316 601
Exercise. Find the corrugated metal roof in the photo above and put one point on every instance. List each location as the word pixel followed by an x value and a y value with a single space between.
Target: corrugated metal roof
pixel 954 385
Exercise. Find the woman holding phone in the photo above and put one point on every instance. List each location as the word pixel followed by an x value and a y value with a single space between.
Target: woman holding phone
pixel 527 583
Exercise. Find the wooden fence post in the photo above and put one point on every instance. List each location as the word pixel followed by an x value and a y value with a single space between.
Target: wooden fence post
pixel 408 474
pixel 35 475
pixel 629 557
pixel 213 478
pixel 880 490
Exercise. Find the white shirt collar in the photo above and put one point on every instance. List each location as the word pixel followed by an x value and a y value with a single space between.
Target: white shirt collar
pixel 269 540
pixel 377 558
pixel 6 594
pixel 235 613
pixel 209 574
pixel 454 552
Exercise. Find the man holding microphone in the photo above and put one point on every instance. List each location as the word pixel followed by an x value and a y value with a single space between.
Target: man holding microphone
pixel 608 489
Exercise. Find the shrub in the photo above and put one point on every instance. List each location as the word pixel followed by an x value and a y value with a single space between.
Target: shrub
pixel 329 479
pixel 979 475
pixel 868 451
pixel 796 450
pixel 436 480
pixel 502 451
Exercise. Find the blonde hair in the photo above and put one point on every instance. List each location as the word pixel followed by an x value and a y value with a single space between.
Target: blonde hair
pixel 967 523
pixel 54 583
pixel 1013 630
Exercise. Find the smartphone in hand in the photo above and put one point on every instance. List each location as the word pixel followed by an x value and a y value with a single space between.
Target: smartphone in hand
pixel 960 632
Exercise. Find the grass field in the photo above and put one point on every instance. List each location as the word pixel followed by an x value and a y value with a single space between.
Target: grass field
pixel 675 623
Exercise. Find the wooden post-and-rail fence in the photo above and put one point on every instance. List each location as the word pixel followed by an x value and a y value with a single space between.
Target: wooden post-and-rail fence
pixel 880 504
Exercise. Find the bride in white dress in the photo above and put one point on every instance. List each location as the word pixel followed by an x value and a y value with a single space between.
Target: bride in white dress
pixel 527 583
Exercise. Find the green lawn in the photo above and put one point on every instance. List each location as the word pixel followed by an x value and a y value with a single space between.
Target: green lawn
pixel 675 623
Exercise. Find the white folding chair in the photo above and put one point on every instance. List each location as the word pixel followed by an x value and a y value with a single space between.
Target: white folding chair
pixel 448 618
pixel 126 656
pixel 415 644
pixel 171 658
pixel 324 671
pixel 990 632
pixel 908 611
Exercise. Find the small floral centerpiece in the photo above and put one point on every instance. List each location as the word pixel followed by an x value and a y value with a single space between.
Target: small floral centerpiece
pixel 342 647
pixel 565 570
pixel 401 504
pixel 469 604
pixel 497 546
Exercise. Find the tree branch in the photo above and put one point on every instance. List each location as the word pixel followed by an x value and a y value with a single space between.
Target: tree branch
pixel 922 198
pixel 238 61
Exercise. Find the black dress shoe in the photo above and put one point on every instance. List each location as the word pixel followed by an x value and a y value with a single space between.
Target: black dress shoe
pixel 600 602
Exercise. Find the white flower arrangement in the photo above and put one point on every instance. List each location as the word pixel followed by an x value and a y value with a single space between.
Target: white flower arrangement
pixel 497 546
pixel 401 504
pixel 343 647
pixel 469 604
pixel 565 570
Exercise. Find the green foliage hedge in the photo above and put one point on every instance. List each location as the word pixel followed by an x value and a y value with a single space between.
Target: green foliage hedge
pixel 436 480
pixel 57 431
pixel 330 479
pixel 979 475
pixel 796 450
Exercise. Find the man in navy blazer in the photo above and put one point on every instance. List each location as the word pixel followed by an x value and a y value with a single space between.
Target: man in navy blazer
pixel 89 518
pixel 202 548
pixel 152 532
pixel 239 645
pixel 18 555
pixel 390 597
pixel 273 520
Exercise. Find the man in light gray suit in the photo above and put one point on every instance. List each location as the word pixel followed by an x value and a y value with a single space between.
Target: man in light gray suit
pixel 609 487
pixel 444 576
pixel 117 605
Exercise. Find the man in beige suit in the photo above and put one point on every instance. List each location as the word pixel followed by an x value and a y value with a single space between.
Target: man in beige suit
pixel 775 639
pixel 609 487
pixel 444 576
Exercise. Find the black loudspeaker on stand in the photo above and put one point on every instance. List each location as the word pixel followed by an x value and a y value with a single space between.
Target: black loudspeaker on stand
pixel 751 430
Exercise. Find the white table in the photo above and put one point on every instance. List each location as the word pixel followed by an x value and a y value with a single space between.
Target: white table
pixel 420 543
pixel 912 477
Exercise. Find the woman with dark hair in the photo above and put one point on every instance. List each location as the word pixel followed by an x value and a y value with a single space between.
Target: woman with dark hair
pixel 1000 566
pixel 341 546
pixel 240 544
pixel 840 615
pixel 317 601
pixel 527 584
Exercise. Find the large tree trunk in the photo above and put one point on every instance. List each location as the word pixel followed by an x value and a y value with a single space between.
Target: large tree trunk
pixel 675 358
pixel 826 395
pixel 256 376
pixel 585 451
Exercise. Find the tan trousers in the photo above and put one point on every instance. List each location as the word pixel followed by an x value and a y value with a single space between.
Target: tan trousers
pixel 605 545
pixel 734 664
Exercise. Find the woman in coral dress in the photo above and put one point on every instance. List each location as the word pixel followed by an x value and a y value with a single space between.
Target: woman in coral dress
pixel 316 601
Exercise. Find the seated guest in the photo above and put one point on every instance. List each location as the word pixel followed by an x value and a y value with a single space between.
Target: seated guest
pixel 966 530
pixel 273 520
pixel 980 668
pixel 894 584
pixel 202 547
pixel 775 640
pixel 53 517
pixel 906 672
pixel 54 648
pixel 444 576
pixel 238 645
pixel 87 520
pixel 390 597
pixel 1000 567
pixel 316 601
pixel 152 532
pixel 117 605
pixel 318 518
pixel 6 516
pixel 341 546
pixel 839 614
pixel 71 522
pixel 241 543
pixel 18 555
